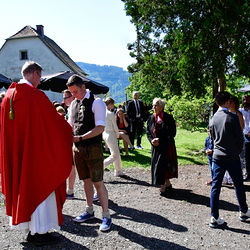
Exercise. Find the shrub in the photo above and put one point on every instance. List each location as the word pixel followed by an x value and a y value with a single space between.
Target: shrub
pixel 191 113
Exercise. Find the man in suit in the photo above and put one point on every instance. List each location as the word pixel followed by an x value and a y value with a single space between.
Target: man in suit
pixel 227 139
pixel 135 114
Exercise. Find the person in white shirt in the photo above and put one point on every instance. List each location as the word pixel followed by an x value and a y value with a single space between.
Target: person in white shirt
pixel 87 117
pixel 246 131
pixel 110 135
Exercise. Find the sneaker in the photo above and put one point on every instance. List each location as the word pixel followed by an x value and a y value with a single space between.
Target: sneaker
pixel 120 173
pixel 70 196
pixel 244 216
pixel 215 223
pixel 95 197
pixel 106 224
pixel 85 216
pixel 139 147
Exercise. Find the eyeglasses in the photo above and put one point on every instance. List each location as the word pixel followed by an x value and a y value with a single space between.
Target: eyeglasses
pixel 64 98
pixel 38 74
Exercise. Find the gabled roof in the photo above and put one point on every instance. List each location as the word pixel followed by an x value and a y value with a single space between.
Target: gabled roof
pixel 28 31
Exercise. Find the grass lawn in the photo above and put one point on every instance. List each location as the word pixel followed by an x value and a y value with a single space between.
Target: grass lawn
pixel 190 150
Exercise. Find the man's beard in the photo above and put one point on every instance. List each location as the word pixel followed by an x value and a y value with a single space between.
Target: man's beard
pixel 246 105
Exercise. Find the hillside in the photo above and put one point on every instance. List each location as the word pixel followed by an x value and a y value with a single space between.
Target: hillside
pixel 112 76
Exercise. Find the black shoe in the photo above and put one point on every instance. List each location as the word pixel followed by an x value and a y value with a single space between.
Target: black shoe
pixel 46 239
pixel 31 238
pixel 167 190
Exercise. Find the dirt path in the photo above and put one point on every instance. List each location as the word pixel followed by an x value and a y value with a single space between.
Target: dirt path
pixel 142 219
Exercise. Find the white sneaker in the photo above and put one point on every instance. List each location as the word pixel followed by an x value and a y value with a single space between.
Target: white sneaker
pixel 244 216
pixel 215 223
pixel 95 198
pixel 120 173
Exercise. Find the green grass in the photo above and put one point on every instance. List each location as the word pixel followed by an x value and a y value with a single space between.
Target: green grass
pixel 189 145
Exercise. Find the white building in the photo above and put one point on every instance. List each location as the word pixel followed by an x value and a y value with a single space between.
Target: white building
pixel 31 44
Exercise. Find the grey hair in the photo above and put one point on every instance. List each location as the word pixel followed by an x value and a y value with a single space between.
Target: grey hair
pixel 30 67
pixel 135 92
pixel 160 102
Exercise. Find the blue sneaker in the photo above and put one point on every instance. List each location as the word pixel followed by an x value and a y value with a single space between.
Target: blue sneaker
pixel 85 216
pixel 106 224
pixel 95 198
pixel 70 196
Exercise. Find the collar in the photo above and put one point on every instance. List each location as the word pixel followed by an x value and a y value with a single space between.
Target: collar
pixel 25 81
pixel 221 108
pixel 87 95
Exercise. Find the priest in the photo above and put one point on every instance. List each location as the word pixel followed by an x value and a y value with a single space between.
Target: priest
pixel 36 158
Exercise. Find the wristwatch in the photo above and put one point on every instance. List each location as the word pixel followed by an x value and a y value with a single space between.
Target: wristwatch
pixel 80 138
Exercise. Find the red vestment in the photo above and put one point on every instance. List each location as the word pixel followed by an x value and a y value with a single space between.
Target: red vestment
pixel 36 155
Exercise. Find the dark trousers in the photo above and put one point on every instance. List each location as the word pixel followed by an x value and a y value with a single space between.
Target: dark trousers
pixel 234 169
pixel 136 126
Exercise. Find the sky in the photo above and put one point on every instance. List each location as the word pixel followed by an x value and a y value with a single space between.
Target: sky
pixel 90 31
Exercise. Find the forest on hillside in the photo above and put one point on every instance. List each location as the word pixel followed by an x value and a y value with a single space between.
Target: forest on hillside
pixel 116 78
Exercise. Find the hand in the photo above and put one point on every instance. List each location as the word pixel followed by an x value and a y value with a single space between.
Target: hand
pixel 75 139
pixel 209 151
pixel 155 142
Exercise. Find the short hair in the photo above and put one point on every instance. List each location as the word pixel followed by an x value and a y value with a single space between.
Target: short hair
pixel 245 96
pixel 66 91
pixel 109 100
pixel 222 97
pixel 30 67
pixel 160 101
pixel 75 80
pixel 235 100
pixel 135 92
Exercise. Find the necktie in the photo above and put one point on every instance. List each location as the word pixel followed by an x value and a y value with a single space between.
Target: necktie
pixel 137 107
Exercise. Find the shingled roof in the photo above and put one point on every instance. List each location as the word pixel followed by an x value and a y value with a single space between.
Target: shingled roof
pixel 28 31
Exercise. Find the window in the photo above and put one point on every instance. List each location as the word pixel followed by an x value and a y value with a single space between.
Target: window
pixel 24 55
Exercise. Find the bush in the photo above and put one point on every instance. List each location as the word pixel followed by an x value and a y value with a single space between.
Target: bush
pixel 191 113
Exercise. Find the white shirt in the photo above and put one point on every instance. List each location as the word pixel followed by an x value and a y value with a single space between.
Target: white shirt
pixel 246 117
pixel 98 108
pixel 111 125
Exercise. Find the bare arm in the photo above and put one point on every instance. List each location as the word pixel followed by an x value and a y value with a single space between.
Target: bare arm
pixel 92 133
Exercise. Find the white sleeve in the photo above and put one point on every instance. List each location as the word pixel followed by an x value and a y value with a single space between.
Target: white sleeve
pixel 114 125
pixel 99 110
pixel 70 121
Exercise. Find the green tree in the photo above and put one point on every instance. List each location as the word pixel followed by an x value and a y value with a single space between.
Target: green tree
pixel 184 46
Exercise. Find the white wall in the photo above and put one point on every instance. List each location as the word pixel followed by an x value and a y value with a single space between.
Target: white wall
pixel 10 63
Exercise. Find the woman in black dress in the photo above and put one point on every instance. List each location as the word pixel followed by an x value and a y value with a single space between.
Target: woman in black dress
pixel 161 130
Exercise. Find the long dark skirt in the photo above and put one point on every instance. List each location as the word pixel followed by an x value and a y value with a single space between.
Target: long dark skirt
pixel 160 157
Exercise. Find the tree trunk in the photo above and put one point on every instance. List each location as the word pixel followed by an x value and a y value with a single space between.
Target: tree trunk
pixel 215 91
pixel 222 82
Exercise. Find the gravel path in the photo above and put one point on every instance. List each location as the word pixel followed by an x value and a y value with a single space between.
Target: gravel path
pixel 142 219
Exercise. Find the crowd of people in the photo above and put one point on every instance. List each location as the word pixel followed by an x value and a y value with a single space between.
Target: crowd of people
pixel 31 165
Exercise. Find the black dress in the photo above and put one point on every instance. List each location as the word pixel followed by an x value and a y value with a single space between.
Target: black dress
pixel 165 151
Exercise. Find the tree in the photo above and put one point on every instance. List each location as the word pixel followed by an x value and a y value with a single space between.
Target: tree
pixel 188 45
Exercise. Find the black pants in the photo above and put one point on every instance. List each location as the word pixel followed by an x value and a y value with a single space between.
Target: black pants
pixel 137 126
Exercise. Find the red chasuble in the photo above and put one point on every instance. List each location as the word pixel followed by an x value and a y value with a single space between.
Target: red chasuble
pixel 36 152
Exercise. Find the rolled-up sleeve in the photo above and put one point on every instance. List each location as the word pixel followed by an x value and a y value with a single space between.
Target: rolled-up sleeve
pixel 99 110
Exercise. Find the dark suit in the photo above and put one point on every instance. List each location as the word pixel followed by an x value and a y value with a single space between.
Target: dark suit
pixel 136 123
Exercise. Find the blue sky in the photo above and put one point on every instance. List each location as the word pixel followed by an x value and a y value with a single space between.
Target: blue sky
pixel 90 31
